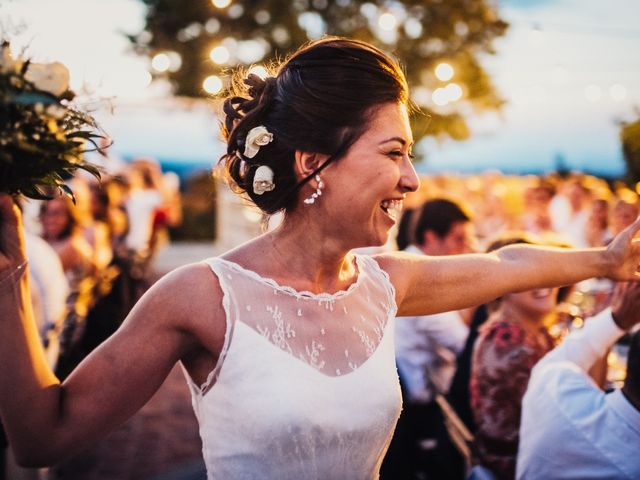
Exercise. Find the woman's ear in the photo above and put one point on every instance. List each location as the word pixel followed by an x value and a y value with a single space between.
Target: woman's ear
pixel 306 163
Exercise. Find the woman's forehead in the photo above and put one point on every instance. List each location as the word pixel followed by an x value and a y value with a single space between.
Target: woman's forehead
pixel 389 122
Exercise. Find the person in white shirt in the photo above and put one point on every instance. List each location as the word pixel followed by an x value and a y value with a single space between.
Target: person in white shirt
pixel 426 350
pixel 570 428
pixel 49 291
pixel 144 199
pixel 570 212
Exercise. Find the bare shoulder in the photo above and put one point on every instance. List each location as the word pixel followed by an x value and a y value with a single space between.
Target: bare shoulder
pixel 409 273
pixel 188 299
pixel 399 264
pixel 187 283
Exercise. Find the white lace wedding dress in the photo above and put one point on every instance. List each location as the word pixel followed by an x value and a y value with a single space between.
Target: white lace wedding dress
pixel 306 387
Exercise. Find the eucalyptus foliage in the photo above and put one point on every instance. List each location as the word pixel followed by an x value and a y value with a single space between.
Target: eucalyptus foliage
pixel 43 136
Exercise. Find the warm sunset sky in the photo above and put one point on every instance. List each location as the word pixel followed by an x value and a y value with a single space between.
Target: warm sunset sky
pixel 570 70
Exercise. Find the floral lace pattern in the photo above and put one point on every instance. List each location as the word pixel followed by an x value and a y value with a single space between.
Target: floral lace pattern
pixel 333 333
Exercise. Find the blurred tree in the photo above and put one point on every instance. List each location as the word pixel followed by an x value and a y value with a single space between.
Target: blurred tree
pixel 190 41
pixel 630 138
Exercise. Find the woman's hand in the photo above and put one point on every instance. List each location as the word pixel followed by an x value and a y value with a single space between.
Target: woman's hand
pixel 12 250
pixel 624 254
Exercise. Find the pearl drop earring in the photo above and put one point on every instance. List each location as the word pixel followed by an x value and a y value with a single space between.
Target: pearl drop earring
pixel 312 199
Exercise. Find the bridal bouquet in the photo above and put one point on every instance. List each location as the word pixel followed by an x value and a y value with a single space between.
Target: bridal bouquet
pixel 42 135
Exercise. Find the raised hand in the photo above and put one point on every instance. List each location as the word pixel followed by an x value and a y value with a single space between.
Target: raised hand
pixel 624 253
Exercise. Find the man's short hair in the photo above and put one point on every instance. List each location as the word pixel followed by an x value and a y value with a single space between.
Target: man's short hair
pixel 438 215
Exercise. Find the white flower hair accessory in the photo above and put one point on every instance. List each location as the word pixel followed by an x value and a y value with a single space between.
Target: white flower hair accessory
pixel 257 137
pixel 263 180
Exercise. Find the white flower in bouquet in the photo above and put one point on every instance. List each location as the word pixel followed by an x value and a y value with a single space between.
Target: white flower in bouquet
pixel 49 77
pixel 43 136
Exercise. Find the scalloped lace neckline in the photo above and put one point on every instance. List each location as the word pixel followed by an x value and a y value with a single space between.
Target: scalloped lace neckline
pixel 299 293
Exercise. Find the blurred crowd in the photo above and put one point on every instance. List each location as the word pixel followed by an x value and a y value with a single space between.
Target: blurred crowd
pixel 464 374
pixel 579 209
pixel 90 254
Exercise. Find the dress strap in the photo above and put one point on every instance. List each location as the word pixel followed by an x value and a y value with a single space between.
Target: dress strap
pixel 377 274
pixel 230 306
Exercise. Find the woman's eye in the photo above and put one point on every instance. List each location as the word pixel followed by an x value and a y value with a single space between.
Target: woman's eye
pixel 401 154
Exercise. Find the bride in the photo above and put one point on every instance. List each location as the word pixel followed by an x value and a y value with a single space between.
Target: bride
pixel 286 341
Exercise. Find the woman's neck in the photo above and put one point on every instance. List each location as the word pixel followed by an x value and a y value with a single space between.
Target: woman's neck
pixel 302 258
pixel 309 254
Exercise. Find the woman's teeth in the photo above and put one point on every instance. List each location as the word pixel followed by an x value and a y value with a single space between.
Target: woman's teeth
pixel 392 207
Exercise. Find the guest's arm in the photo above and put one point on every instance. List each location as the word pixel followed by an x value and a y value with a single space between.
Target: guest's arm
pixel 583 347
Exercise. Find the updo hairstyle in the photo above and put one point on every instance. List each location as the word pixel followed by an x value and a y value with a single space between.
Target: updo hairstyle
pixel 319 101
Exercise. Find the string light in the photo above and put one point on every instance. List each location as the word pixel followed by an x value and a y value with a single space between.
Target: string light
pixel 221 3
pixel 260 71
pixel 160 62
pixel 387 21
pixel 212 84
pixel 219 55
pixel 444 71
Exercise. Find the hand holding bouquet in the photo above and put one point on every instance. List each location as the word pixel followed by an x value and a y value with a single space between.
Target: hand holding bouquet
pixel 42 135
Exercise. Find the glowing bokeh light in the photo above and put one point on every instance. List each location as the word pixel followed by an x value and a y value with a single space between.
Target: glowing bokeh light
pixel 387 21
pixel 454 92
pixel 160 62
pixel 212 25
pixel 175 61
pixel 444 71
pixel 219 55
pixel 212 84
pixel 235 11
pixel 221 3
pixel 440 97
pixel 260 71
pixel 413 28
pixel 262 17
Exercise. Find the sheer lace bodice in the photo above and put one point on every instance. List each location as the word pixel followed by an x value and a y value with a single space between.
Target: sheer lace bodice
pixel 306 386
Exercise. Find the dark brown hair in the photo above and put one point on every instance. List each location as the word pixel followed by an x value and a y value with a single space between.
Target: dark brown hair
pixel 438 215
pixel 319 101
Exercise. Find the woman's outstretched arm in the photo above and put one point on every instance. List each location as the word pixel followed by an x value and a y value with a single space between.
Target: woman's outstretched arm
pixel 427 285
pixel 46 420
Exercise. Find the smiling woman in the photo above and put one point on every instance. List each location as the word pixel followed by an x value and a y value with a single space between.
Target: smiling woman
pixel 287 340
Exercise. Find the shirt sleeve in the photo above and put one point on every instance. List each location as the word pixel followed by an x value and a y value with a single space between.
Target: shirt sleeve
pixel 583 347
pixel 445 330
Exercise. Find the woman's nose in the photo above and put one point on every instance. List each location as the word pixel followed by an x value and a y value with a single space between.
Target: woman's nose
pixel 409 181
